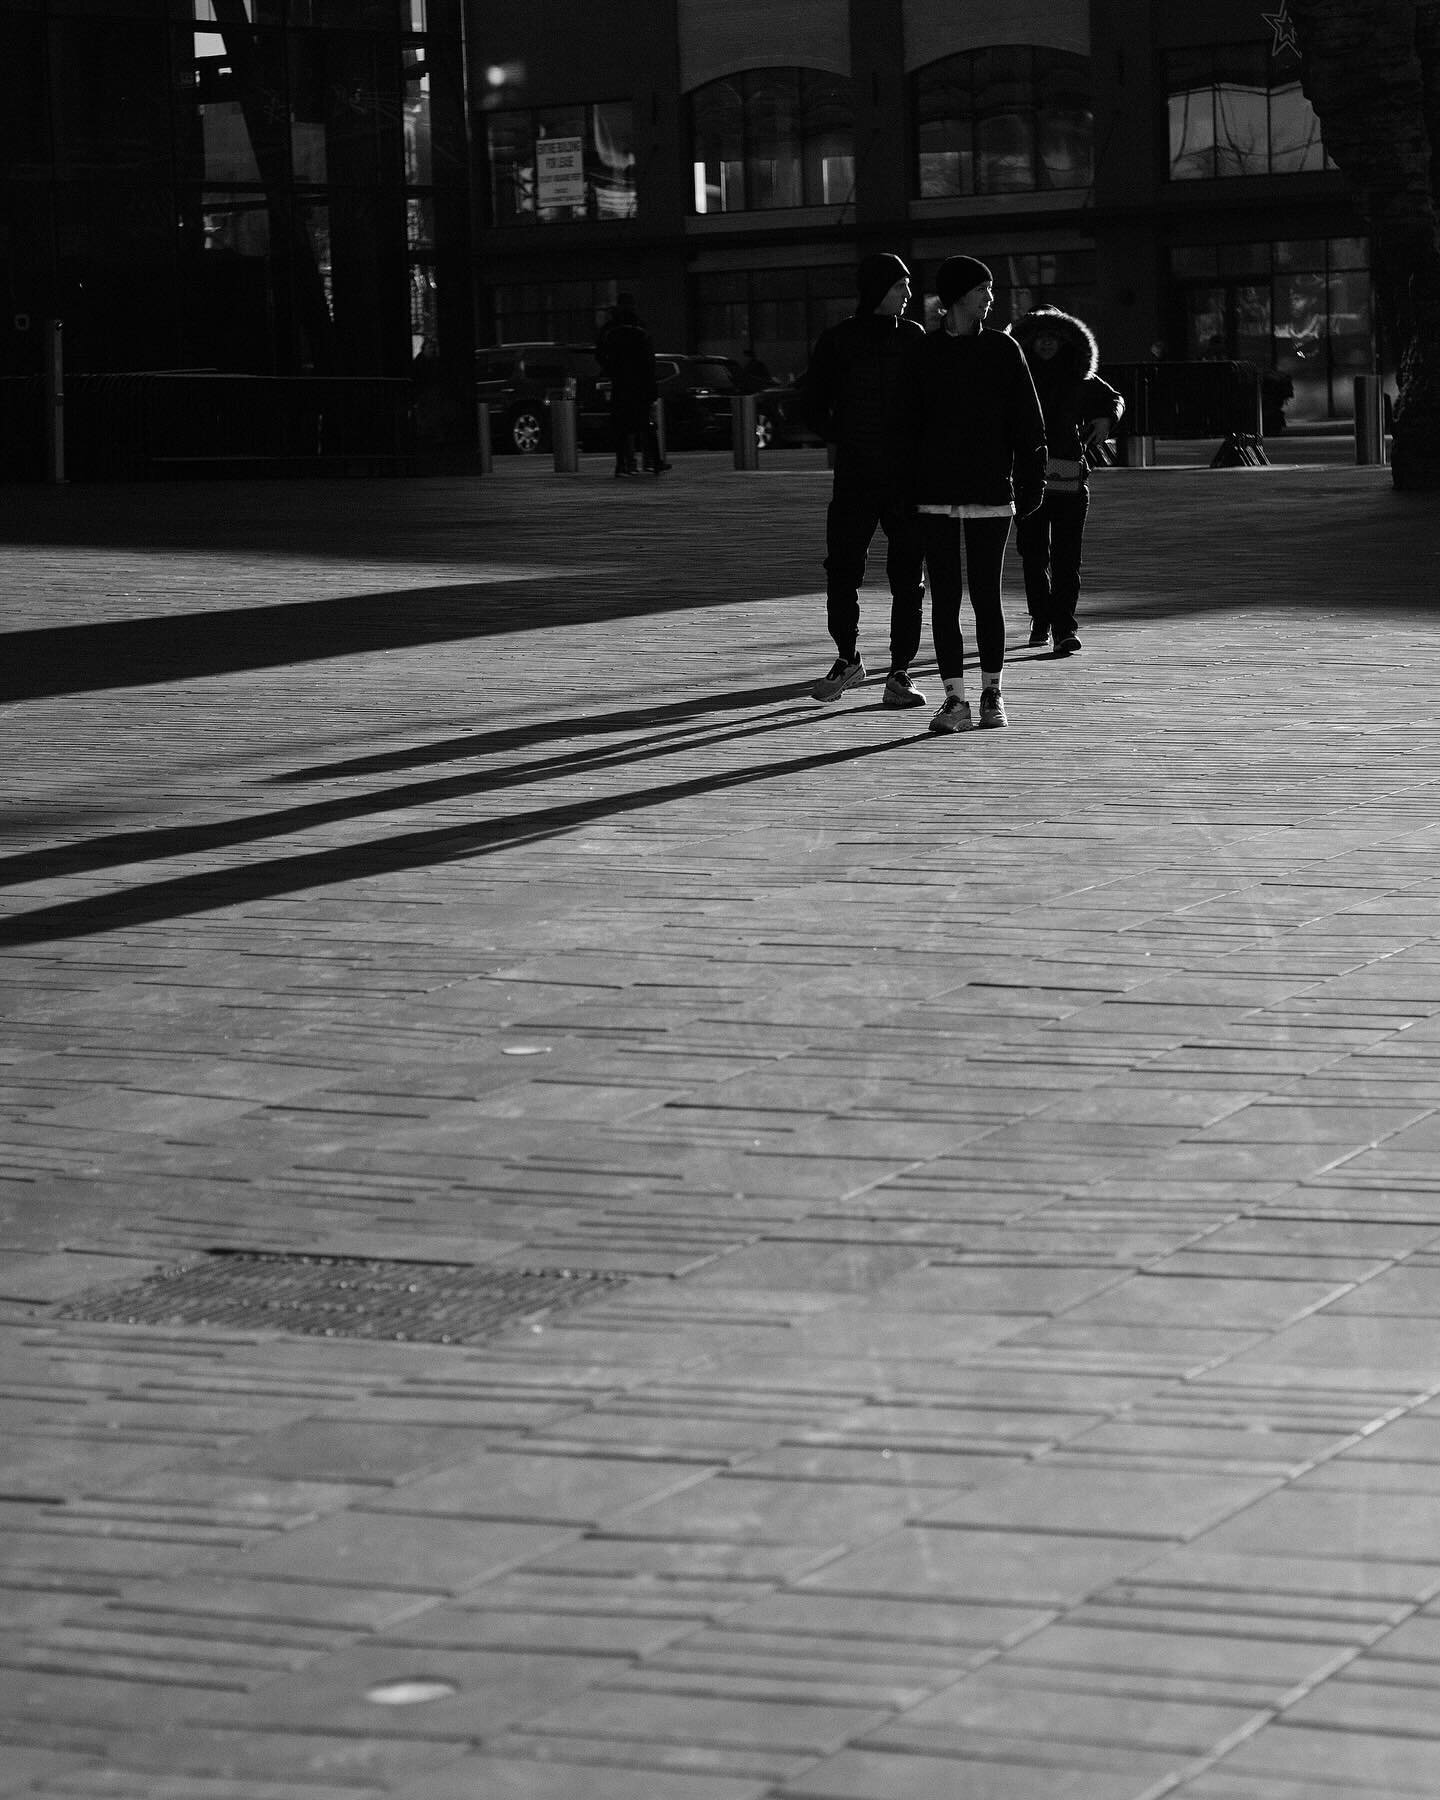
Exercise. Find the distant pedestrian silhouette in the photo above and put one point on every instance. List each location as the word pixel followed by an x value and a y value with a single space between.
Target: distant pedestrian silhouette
pixel 626 354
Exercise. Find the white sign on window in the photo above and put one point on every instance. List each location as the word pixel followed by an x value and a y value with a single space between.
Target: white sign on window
pixel 560 171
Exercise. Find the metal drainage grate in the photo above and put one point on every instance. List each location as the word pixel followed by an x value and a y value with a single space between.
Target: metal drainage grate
pixel 341 1296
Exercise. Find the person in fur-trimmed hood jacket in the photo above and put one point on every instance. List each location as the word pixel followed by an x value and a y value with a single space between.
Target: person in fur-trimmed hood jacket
pixel 1081 411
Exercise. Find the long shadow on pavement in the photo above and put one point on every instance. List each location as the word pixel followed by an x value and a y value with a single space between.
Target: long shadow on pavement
pixel 521 737
pixel 155 843
pixel 153 902
pixel 75 659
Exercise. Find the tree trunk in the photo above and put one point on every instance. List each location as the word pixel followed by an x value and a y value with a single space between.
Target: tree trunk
pixel 1371 70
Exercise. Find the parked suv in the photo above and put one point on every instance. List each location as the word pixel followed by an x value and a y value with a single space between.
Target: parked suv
pixel 515 380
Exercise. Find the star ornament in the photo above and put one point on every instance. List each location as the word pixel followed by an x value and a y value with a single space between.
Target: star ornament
pixel 1283 27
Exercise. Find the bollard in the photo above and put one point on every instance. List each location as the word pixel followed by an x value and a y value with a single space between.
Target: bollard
pixel 742 431
pixel 564 430
pixel 484 439
pixel 1137 442
pixel 657 414
pixel 1137 452
pixel 54 373
pixel 1369 419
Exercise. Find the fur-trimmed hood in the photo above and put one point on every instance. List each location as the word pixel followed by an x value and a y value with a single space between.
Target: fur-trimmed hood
pixel 1079 356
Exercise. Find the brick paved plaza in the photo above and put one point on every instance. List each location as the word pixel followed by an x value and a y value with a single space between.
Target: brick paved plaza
pixel 1018 1154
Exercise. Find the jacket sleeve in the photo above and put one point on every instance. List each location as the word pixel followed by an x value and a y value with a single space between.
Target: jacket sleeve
pixel 1100 401
pixel 1027 441
pixel 818 386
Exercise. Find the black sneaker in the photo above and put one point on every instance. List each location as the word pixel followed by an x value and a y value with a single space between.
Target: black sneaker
pixel 992 709
pixel 842 675
pixel 954 715
pixel 1039 635
pixel 1067 646
pixel 900 690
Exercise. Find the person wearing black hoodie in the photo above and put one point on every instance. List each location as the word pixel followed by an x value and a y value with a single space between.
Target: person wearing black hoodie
pixel 1080 412
pixel 849 394
pixel 976 441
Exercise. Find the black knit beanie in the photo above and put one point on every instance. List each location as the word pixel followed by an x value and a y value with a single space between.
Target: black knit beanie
pixel 876 276
pixel 956 276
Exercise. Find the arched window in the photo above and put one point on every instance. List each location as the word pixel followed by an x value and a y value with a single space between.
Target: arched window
pixel 773 137
pixel 1011 119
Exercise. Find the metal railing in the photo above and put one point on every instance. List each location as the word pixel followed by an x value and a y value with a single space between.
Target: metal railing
pixel 1189 400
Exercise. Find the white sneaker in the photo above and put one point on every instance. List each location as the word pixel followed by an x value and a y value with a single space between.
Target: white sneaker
pixel 842 675
pixel 954 715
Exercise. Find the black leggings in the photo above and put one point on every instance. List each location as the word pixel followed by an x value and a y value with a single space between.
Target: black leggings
pixel 985 541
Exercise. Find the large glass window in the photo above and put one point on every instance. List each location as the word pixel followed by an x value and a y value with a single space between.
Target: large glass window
pixel 1010 119
pixel 773 315
pixel 1235 110
pixel 551 312
pixel 772 138
pixel 1300 308
pixel 562 163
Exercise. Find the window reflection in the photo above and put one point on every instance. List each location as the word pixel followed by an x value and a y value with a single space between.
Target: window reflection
pixel 235 224
pixel 307 110
pixel 1233 112
pixel 419 161
pixel 1301 308
pixel 768 138
pixel 1003 120
pixel 420 223
pixel 559 164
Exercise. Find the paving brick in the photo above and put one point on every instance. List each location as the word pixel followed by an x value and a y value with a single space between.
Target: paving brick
pixel 1125 1502
pixel 551 1489
pixel 874 1775
pixel 1353 1761
pixel 636 1717
pixel 351 1549
pixel 993 1566
pixel 506 1779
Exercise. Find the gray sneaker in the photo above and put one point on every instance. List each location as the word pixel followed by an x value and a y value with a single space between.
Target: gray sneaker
pixel 842 675
pixel 954 715
pixel 900 690
pixel 992 709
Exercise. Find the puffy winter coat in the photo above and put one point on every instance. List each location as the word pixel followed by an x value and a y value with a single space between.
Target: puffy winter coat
pixel 1070 389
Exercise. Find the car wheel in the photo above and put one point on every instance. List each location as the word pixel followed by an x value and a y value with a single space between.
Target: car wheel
pixel 764 431
pixel 527 431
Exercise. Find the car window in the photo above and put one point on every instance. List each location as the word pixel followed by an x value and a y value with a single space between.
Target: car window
pixel 713 375
pixel 495 365
pixel 546 368
pixel 666 368
pixel 585 365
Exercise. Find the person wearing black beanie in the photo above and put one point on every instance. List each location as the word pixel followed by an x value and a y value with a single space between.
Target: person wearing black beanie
pixel 976 438
pixel 958 276
pixel 849 394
